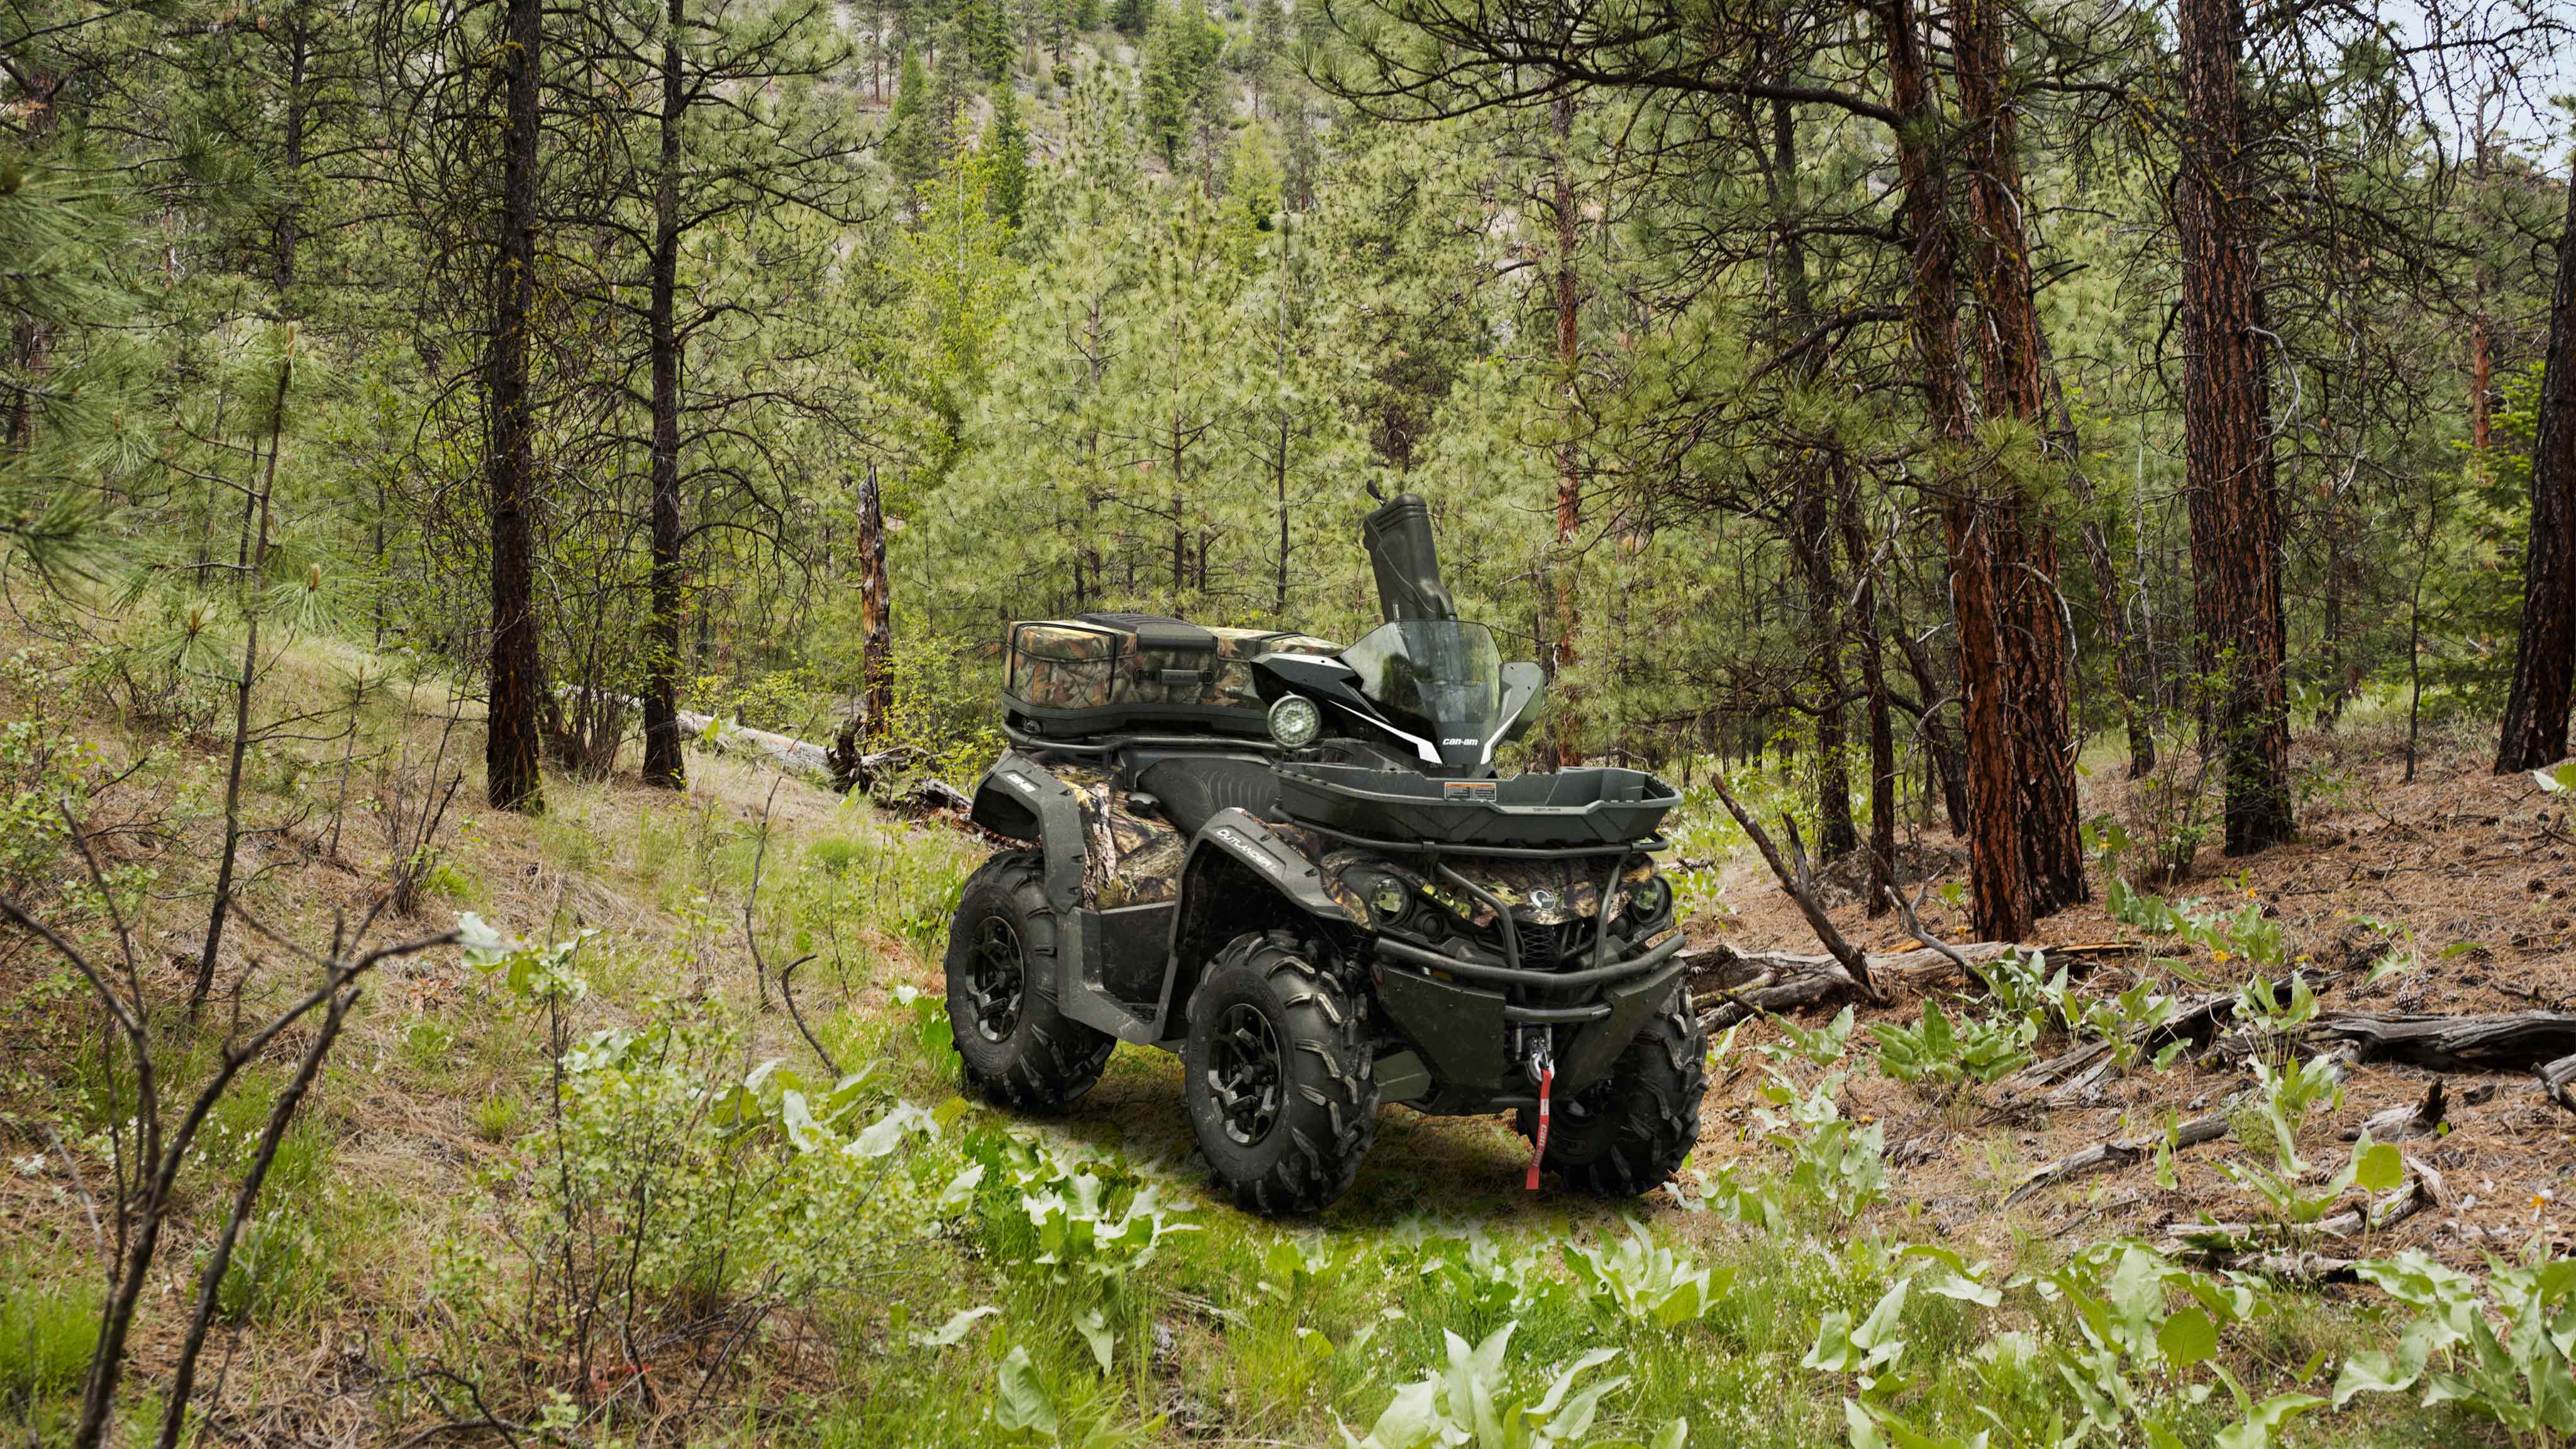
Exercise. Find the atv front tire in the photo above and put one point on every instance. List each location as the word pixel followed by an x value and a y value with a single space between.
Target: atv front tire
pixel 1019 1047
pixel 1278 1076
pixel 1627 1133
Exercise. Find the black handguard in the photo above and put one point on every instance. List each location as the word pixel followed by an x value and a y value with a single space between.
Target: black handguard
pixel 1398 536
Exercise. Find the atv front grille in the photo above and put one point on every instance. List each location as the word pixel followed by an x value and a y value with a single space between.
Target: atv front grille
pixel 1545 946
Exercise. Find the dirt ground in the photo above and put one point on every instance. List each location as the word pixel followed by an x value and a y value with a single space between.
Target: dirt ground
pixel 2476 865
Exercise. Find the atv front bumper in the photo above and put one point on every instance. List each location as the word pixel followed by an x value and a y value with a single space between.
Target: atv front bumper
pixel 1473 1014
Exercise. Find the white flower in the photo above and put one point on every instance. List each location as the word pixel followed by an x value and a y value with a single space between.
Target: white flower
pixel 33 1165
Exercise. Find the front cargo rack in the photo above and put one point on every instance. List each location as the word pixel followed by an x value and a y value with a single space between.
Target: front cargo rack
pixel 1604 808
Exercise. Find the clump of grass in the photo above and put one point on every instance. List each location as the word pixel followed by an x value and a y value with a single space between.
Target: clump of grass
pixel 428 1043
pixel 48 1328
pixel 278 1268
pixel 499 1117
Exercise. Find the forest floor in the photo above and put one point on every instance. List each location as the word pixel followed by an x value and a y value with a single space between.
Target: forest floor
pixel 2449 893
pixel 459 1260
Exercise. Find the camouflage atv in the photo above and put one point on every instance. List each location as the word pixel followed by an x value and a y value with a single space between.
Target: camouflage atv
pixel 1292 864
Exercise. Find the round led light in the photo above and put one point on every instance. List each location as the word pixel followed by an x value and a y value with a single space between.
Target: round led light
pixel 1648 899
pixel 1387 898
pixel 1295 721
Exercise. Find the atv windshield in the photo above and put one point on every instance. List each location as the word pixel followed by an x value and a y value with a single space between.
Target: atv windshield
pixel 1439 674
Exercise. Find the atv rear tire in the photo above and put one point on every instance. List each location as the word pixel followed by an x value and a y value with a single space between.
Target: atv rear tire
pixel 1278 1076
pixel 1626 1134
pixel 1019 1047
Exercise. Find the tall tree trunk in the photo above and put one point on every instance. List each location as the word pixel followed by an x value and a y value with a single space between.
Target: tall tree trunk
pixel 2128 666
pixel 1873 678
pixel 253 589
pixel 1569 478
pixel 2535 713
pixel 1998 866
pixel 872 710
pixel 510 745
pixel 2013 364
pixel 1810 510
pixel 1811 519
pixel 2235 514
pixel 299 42
pixel 664 760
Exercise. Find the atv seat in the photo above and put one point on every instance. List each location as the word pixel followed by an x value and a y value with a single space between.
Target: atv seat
pixel 1193 788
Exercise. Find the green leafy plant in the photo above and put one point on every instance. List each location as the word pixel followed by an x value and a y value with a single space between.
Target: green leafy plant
pixel 2135 1359
pixel 1837 1164
pixel 499 1117
pixel 1823 1045
pixel 1647 1280
pixel 1944 1056
pixel 1483 1279
pixel 2506 1351
pixel 1474 1403
pixel 2286 1197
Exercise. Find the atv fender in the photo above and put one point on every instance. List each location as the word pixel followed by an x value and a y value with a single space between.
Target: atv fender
pixel 1021 799
pixel 1232 855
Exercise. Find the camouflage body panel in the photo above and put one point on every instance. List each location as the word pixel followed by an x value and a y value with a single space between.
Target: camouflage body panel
pixel 1073 664
pixel 1541 892
pixel 1130 858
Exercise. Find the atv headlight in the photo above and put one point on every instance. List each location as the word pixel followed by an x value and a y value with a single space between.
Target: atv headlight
pixel 1295 721
pixel 1388 899
pixel 1649 900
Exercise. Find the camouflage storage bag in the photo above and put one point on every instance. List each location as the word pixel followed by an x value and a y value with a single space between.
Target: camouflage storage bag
pixel 1100 672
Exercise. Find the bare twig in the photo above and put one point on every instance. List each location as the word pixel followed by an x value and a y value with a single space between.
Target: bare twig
pixel 787 992
pixel 1800 886
pixel 1914 923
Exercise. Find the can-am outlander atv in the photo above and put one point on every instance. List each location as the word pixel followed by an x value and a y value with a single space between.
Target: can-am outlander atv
pixel 1291 863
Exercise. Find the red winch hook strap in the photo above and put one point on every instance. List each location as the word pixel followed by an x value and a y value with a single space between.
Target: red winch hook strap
pixel 1538 1143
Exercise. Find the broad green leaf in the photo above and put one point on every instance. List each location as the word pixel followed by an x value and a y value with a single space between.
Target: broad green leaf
pixel 1023 1402
pixel 2378 1167
pixel 2187 1338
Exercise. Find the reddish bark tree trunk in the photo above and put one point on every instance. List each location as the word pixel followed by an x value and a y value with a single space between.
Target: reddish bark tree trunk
pixel 2011 363
pixel 2235 516
pixel 1998 866
pixel 510 744
pixel 2535 713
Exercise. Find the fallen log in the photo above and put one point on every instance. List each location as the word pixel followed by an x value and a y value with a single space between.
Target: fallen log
pixel 2407 1119
pixel 2521 1041
pixel 2125 1151
pixel 2122 1152
pixel 2558 1079
pixel 2424 1189
pixel 1732 985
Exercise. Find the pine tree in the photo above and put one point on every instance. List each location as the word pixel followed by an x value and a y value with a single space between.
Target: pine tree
pixel 1007 143
pixel 915 141
pixel 1180 77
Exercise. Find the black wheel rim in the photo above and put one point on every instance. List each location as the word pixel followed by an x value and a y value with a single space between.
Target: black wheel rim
pixel 1589 1104
pixel 996 978
pixel 1243 1073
